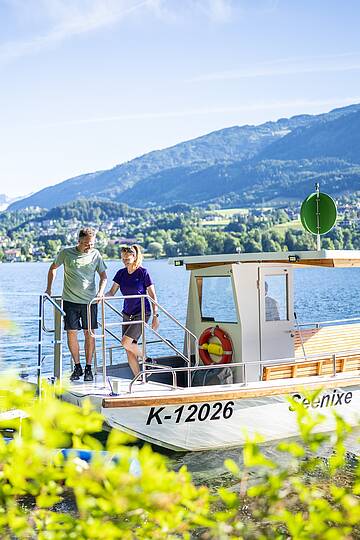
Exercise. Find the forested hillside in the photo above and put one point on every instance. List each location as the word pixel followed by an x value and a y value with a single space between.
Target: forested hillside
pixel 171 231
pixel 276 161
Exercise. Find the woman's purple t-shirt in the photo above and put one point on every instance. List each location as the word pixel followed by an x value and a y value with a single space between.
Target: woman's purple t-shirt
pixel 135 283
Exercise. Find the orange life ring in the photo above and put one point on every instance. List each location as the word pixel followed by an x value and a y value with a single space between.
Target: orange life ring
pixel 225 350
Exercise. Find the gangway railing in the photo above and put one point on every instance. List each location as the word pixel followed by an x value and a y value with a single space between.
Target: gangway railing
pixel 105 302
pixel 41 330
pixel 56 302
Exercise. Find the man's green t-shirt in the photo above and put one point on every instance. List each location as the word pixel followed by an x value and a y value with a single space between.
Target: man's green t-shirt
pixel 79 273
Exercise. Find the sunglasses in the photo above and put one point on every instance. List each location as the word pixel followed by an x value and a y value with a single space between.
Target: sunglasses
pixel 128 249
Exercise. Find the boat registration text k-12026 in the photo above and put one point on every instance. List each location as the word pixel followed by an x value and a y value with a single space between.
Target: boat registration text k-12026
pixel 192 413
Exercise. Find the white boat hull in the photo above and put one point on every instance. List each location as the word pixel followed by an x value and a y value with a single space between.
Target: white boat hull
pixel 226 423
pixel 205 418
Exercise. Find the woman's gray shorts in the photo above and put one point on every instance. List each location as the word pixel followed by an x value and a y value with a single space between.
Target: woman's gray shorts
pixel 133 330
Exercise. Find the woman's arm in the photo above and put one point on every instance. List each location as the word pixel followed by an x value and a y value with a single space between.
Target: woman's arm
pixel 155 321
pixel 114 289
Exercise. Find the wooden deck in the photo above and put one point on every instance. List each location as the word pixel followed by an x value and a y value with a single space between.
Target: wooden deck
pixel 327 340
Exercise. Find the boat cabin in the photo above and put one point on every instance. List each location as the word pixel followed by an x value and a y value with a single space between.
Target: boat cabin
pixel 250 297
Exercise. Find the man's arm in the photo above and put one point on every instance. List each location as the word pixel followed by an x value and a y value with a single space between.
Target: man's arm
pixel 102 283
pixel 50 278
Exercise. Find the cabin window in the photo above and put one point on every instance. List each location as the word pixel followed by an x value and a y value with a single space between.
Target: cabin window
pixel 276 297
pixel 216 299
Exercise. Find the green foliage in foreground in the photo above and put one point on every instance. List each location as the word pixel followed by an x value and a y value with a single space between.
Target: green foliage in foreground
pixel 109 500
pixel 298 496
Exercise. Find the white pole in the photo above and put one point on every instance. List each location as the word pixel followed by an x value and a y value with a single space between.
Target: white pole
pixel 318 240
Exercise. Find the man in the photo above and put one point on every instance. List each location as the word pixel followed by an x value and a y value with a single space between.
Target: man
pixel 81 263
pixel 272 311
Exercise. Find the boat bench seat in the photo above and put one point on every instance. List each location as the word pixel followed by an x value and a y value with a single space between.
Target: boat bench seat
pixel 319 366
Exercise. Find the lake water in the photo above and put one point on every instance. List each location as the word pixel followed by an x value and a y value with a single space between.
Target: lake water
pixel 320 294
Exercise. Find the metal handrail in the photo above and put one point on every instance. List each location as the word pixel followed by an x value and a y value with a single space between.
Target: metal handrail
pixel 17 343
pixel 112 334
pixel 190 368
pixel 145 373
pixel 56 306
pixel 180 325
pixel 319 323
pixel 232 365
pixel 48 298
pixel 113 308
pixel 104 302
pixel 24 319
pixel 307 358
pixel 115 347
pixel 188 333
pixel 145 296
pixel 168 343
pixel 110 349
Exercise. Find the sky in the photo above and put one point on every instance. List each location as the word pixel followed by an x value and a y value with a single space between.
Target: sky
pixel 88 84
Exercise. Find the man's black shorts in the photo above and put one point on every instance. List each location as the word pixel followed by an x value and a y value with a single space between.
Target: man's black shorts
pixel 76 316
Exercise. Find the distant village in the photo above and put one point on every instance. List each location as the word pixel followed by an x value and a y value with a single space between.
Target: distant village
pixel 32 238
pixel 50 233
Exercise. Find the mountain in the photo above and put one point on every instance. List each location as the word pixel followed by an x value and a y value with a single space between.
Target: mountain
pixel 6 201
pixel 250 161
pixel 252 182
pixel 338 138
pixel 325 150
pixel 228 144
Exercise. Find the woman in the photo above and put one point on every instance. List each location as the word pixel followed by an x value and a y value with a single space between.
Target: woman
pixel 131 280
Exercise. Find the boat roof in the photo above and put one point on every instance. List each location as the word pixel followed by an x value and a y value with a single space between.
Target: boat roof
pixel 325 257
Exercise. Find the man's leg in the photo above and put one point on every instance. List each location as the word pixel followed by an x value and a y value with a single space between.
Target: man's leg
pixel 73 344
pixel 89 347
pixel 132 351
pixel 89 339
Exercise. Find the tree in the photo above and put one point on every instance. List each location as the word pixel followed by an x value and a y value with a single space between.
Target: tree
pixel 290 240
pixel 231 244
pixel 327 243
pixel 156 249
pixel 215 242
pixel 112 251
pixel 171 248
pixel 251 246
pixel 193 244
pixel 53 247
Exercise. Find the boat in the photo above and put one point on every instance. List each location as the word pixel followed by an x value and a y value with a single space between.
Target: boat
pixel 239 365
pixel 242 367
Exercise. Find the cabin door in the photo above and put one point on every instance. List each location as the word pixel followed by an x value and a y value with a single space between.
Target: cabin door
pixel 276 309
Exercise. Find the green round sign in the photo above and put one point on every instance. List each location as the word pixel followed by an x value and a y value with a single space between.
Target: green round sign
pixel 318 213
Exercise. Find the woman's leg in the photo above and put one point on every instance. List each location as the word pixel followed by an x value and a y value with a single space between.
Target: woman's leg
pixel 132 351
pixel 131 333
